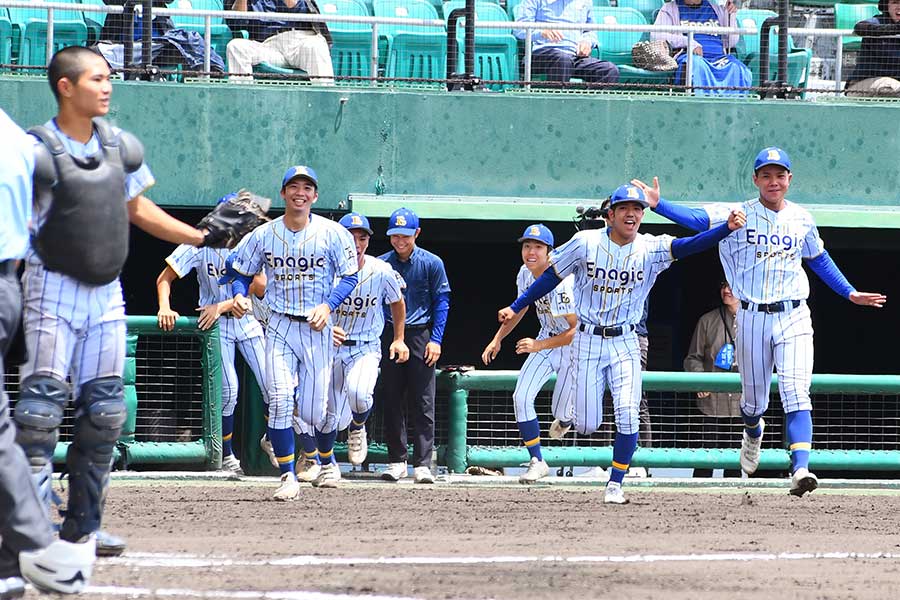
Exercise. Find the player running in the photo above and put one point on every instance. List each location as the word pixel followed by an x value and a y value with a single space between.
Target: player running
pixel 614 270
pixel 358 323
pixel 548 353
pixel 763 266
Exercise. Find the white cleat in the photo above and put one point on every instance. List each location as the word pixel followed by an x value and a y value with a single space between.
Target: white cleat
pixel 266 447
pixel 614 494
pixel 357 446
pixel 329 476
pixel 394 472
pixel 289 489
pixel 307 469
pixel 558 430
pixel 750 449
pixel 423 475
pixel 537 469
pixel 802 482
pixel 61 567
pixel 232 465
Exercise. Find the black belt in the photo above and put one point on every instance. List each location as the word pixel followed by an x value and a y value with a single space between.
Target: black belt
pixel 8 267
pixel 350 343
pixel 298 318
pixel 607 332
pixel 775 307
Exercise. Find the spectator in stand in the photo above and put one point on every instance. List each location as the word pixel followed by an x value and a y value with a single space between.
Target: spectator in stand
pixel 560 54
pixel 712 350
pixel 291 44
pixel 877 70
pixel 712 65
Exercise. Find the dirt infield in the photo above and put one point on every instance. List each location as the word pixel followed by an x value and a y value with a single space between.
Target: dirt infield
pixel 458 541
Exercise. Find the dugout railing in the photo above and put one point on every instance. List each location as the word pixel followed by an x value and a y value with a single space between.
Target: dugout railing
pixel 173 392
pixel 372 66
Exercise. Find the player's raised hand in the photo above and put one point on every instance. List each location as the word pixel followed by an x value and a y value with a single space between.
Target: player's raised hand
pixel 398 351
pixel 527 346
pixel 650 193
pixel 736 220
pixel 338 335
pixel 209 314
pixel 241 306
pixel 165 319
pixel 490 351
pixel 873 299
pixel 318 317
pixel 505 314
pixel 432 353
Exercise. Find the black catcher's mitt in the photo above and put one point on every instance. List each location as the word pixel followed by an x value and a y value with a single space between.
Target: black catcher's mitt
pixel 233 218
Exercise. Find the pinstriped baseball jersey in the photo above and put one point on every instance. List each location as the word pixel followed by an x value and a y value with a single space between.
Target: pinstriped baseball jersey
pixel 552 308
pixel 361 314
pixel 210 265
pixel 763 260
pixel 301 266
pixel 611 282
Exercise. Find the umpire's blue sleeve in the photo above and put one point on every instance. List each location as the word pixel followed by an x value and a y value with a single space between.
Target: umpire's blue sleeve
pixel 682 247
pixel 342 290
pixel 692 218
pixel 828 271
pixel 544 284
pixel 440 311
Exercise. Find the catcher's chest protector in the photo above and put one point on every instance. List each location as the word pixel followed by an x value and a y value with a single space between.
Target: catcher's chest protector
pixel 85 234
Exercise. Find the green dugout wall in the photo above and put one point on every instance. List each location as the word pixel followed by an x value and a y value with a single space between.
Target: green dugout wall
pixel 495 156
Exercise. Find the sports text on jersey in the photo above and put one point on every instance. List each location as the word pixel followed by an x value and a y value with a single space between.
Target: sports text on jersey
pixel 214 271
pixel 357 306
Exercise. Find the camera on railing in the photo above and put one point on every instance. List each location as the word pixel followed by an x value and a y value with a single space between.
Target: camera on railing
pixel 590 217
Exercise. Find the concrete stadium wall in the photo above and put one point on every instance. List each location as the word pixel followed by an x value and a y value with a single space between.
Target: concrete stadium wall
pixel 205 140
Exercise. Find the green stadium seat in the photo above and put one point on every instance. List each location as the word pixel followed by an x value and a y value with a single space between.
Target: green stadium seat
pixel 615 46
pixel 648 8
pixel 271 69
pixel 405 9
pixel 748 49
pixel 417 55
pixel 94 21
pixel 346 8
pixel 351 52
pixel 6 37
pixel 495 49
pixel 846 16
pixel 220 33
pixel 29 31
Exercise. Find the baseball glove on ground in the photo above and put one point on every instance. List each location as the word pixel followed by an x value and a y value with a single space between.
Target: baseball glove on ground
pixel 232 219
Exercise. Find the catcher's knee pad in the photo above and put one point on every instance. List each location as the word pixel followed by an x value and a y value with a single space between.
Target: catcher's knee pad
pixel 98 422
pixel 38 415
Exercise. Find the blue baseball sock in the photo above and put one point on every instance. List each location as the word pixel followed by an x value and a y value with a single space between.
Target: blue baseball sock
pixel 623 450
pixel 359 420
pixel 799 427
pixel 325 444
pixel 751 425
pixel 283 445
pixel 310 447
pixel 227 434
pixel 531 435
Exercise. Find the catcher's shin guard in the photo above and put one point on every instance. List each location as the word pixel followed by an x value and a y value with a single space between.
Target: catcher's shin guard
pixel 99 416
pixel 38 415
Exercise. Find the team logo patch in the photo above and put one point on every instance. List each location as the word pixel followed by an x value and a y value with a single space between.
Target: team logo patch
pixel 401 221
pixel 632 192
pixel 356 220
pixel 534 231
pixel 774 155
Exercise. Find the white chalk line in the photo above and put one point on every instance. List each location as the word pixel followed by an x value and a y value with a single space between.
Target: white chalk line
pixel 161 560
pixel 138 592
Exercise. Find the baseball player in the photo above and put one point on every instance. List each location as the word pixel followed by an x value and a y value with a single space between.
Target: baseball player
pixel 302 255
pixel 763 266
pixel 216 302
pixel 358 323
pixel 26 534
pixel 548 353
pixel 89 183
pixel 614 269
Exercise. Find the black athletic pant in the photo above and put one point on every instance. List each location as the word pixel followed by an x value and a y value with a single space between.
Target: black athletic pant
pixel 408 393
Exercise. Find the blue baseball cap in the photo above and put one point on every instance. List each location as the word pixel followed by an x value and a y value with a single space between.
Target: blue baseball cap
pixel 628 193
pixel 227 197
pixel 355 220
pixel 403 222
pixel 300 171
pixel 772 156
pixel 539 233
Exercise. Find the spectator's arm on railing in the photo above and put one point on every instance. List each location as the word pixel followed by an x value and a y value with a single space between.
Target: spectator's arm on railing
pixel 668 15
pixel 527 11
pixel 874 28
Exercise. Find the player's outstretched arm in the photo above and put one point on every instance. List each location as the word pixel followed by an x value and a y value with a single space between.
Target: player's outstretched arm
pixel 692 218
pixel 824 266
pixel 683 247
pixel 165 317
pixel 874 299
pixel 398 350
pixel 493 347
pixel 145 214
pixel 542 286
